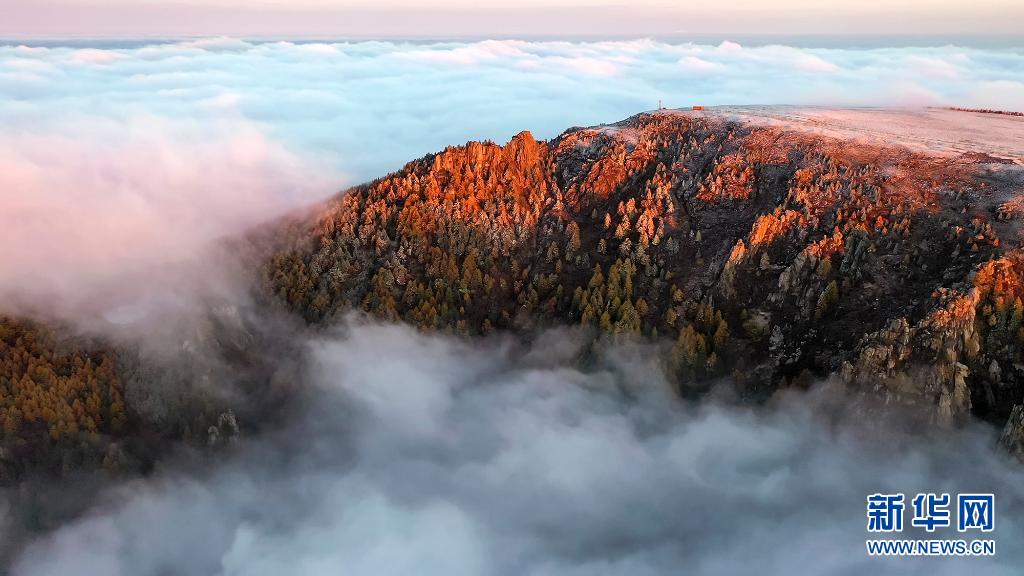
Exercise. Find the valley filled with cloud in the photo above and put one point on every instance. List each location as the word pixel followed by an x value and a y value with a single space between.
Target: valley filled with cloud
pixel 433 455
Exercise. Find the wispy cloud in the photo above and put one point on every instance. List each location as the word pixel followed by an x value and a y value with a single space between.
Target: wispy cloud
pixel 95 210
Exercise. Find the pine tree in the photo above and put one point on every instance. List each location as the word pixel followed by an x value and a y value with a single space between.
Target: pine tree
pixel 828 298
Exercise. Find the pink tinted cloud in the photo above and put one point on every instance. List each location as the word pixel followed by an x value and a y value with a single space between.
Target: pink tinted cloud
pixel 95 56
pixel 93 212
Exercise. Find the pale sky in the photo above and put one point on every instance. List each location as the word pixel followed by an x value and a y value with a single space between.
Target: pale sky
pixel 477 18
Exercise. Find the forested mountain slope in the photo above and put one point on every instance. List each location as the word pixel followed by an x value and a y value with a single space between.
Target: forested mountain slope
pixel 768 257
pixel 755 257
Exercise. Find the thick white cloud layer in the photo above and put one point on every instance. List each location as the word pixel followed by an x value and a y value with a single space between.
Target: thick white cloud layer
pixel 116 161
pixel 373 105
pixel 425 455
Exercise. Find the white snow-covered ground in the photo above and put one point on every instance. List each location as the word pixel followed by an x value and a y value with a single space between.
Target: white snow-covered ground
pixel 935 131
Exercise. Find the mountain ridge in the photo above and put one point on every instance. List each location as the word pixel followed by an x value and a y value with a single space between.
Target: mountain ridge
pixel 818 256
pixel 755 259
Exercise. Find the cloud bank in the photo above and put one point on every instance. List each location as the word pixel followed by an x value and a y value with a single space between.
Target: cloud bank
pixel 446 458
pixel 104 210
pixel 373 105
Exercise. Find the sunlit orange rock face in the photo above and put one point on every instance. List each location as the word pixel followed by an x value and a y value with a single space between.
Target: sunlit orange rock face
pixel 767 257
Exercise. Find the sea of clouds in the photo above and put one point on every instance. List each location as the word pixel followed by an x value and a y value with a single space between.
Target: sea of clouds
pixel 368 107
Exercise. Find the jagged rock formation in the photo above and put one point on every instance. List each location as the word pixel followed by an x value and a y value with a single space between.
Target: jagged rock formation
pixel 1012 438
pixel 769 257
